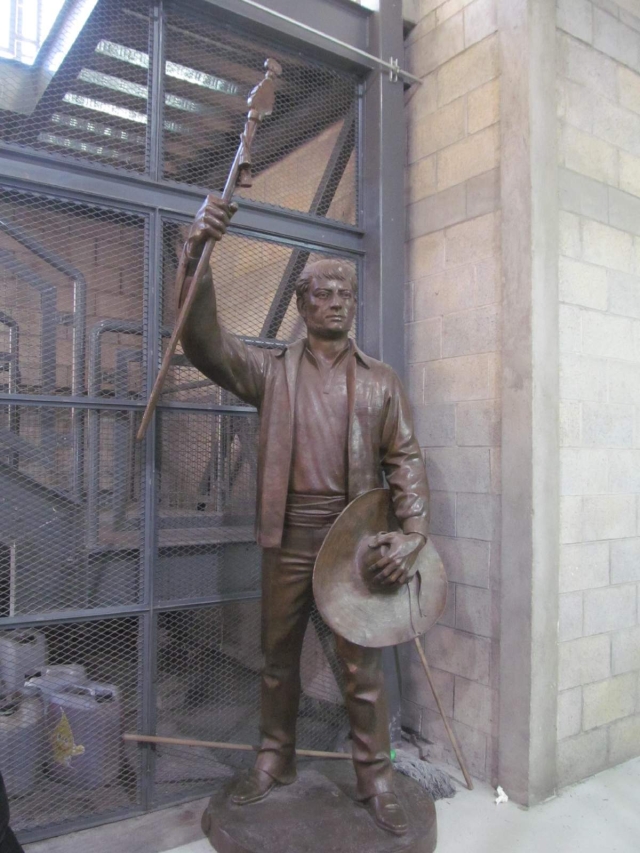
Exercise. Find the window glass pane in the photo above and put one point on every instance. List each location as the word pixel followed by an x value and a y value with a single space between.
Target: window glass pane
pixel 27 51
pixel 5 23
pixel 49 11
pixel 25 25
pixel 29 20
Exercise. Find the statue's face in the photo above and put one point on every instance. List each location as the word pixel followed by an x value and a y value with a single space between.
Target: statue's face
pixel 328 308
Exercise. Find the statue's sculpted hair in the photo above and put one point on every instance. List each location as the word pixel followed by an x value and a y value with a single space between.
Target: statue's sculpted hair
pixel 329 269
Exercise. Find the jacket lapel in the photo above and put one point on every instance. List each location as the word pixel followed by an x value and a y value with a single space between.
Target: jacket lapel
pixel 291 357
pixel 353 429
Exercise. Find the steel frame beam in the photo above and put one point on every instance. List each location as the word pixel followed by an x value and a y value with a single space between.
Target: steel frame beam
pixel 382 170
pixel 89 403
pixel 341 19
pixel 383 198
pixel 139 194
pixel 98 613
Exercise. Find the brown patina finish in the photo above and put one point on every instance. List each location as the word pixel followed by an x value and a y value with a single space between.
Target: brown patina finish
pixel 344 587
pixel 318 815
pixel 375 442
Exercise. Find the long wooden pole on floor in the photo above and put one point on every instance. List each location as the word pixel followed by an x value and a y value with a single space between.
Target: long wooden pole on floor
pixel 215 744
pixel 452 737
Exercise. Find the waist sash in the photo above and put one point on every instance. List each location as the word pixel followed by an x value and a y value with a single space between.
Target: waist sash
pixel 313 510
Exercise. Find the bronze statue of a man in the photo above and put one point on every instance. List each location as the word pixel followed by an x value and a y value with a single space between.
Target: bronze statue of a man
pixel 332 422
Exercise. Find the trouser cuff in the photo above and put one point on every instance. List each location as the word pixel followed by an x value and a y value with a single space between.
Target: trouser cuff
pixel 280 767
pixel 368 787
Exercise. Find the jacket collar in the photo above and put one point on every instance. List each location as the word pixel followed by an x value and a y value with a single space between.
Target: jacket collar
pixel 297 349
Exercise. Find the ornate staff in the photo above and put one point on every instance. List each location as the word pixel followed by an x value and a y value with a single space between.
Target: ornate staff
pixel 260 103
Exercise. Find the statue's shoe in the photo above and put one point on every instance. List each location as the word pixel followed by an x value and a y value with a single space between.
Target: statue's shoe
pixel 253 788
pixel 388 813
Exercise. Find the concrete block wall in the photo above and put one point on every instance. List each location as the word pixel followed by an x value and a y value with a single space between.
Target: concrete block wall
pixel 598 99
pixel 453 356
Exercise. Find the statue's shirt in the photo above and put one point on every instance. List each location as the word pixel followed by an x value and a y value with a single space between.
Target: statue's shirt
pixel 321 418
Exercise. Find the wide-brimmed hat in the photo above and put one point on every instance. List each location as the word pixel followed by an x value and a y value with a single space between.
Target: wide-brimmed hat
pixel 350 600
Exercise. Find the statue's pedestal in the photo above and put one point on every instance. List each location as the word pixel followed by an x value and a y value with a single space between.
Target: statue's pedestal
pixel 318 814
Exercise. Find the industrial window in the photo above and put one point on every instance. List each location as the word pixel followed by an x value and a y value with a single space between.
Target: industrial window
pixel 24 27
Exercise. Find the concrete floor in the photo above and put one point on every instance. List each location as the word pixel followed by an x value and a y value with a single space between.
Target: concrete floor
pixel 601 815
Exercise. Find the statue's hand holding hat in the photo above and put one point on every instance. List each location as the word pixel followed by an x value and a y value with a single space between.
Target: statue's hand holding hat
pixel 377 588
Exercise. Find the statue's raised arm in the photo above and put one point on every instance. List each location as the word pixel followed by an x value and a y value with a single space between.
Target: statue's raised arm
pixel 260 103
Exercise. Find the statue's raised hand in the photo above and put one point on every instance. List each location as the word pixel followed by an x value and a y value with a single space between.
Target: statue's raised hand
pixel 210 223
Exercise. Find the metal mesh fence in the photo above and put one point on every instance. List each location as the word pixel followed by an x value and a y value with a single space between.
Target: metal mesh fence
pixel 255 280
pixel 87 94
pixel 72 279
pixel 206 506
pixel 209 658
pixel 67 691
pixel 70 509
pixel 303 156
pixel 208 682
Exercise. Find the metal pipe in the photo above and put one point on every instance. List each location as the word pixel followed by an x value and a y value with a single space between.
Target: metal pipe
pixel 14 366
pixel 14 350
pixel 121 443
pixel 78 337
pixel 125 327
pixel 79 328
pixel 55 261
pixel 117 326
pixel 58 401
pixel 393 68
pixel 95 614
pixel 33 279
pixel 49 319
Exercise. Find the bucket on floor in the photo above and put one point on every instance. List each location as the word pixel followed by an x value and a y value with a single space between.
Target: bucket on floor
pixel 21 742
pixel 22 654
pixel 84 726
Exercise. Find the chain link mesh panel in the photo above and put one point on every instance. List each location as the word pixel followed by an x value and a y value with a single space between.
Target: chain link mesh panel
pixel 87 94
pixel 303 156
pixel 255 281
pixel 70 509
pixel 208 683
pixel 72 278
pixel 61 750
pixel 206 506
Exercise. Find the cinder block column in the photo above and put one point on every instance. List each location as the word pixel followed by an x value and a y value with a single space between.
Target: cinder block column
pixel 529 581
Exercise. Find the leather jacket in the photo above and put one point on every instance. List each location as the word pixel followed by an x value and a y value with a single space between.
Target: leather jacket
pixel 380 430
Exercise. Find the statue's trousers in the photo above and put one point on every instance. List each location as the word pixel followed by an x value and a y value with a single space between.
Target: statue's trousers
pixel 286 605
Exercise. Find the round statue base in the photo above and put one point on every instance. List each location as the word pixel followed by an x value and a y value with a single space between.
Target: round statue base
pixel 318 814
